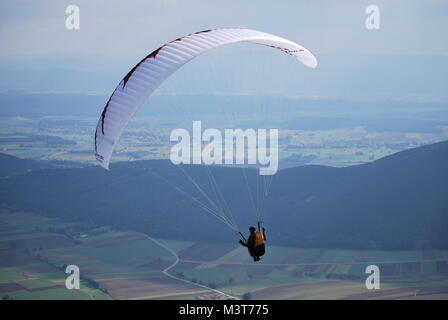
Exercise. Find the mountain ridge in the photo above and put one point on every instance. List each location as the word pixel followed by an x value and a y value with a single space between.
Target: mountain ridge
pixel 397 202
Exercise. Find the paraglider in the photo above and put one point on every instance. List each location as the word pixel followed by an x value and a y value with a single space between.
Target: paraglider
pixel 147 75
pixel 255 242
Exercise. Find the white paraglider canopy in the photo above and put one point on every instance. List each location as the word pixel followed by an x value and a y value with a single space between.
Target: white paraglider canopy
pixel 149 73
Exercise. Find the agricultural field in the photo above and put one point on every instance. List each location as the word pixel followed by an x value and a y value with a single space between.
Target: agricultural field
pixel 71 139
pixel 25 274
pixel 118 264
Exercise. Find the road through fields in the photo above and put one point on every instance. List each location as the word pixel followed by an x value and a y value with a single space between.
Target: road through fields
pixel 176 261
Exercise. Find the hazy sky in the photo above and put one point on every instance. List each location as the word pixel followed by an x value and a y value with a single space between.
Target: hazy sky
pixel 406 58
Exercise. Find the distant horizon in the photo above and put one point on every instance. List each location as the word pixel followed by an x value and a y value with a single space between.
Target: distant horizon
pixel 406 58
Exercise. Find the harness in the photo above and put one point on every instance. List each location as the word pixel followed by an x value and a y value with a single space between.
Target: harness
pixel 259 237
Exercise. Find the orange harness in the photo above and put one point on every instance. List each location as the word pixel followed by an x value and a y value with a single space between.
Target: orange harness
pixel 259 239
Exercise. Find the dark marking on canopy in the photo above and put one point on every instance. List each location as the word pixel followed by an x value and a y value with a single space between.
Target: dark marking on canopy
pixel 126 78
pixel 153 54
pixel 149 56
